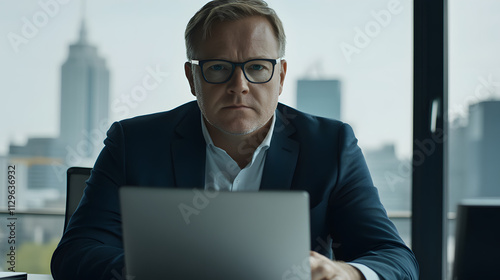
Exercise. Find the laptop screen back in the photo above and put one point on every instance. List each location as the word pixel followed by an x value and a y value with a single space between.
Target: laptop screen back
pixel 197 234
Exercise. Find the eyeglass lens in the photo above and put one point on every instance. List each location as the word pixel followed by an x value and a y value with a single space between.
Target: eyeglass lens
pixel 257 71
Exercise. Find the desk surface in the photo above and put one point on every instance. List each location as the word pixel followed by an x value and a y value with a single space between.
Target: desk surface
pixel 30 276
pixel 40 277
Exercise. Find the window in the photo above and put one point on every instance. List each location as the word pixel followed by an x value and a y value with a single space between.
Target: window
pixel 353 61
pixel 357 56
pixel 474 105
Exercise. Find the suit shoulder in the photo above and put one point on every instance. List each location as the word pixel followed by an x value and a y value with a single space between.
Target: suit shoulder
pixel 164 120
pixel 304 122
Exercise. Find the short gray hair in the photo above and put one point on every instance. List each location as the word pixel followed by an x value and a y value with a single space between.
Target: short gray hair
pixel 230 10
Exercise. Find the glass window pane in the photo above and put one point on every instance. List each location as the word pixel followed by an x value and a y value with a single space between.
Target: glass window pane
pixel 64 83
pixel 28 244
pixel 353 61
pixel 474 105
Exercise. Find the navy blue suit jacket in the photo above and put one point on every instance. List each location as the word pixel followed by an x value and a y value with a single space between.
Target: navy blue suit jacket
pixel 309 153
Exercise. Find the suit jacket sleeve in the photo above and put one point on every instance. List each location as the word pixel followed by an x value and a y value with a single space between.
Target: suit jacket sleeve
pixel 91 247
pixel 359 224
pixel 140 151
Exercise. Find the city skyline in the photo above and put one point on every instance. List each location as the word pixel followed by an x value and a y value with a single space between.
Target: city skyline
pixel 172 89
pixel 140 39
pixel 136 41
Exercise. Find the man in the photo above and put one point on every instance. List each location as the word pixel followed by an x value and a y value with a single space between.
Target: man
pixel 238 137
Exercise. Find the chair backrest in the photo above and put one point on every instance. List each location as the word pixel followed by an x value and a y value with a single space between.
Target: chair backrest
pixel 76 177
pixel 476 239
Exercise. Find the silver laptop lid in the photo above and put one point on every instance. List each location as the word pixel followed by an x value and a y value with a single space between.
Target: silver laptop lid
pixel 196 234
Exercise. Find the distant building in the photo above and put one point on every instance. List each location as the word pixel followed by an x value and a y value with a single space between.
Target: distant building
pixel 319 97
pixel 42 162
pixel 391 176
pixel 4 162
pixel 37 155
pixel 483 158
pixel 457 165
pixel 474 154
pixel 84 97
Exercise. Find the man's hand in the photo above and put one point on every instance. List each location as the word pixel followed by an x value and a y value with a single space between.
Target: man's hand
pixel 323 268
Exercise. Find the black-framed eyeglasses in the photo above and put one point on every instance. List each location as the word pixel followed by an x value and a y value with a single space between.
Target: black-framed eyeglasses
pixel 218 71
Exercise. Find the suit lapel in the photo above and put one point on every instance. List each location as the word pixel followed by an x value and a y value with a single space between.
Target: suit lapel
pixel 281 157
pixel 188 151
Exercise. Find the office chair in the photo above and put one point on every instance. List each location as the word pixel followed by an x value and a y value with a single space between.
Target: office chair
pixel 476 239
pixel 76 178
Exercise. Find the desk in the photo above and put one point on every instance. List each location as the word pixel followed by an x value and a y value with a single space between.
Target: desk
pixel 30 276
pixel 40 277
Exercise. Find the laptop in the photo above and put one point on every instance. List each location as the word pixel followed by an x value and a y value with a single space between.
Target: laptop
pixel 199 234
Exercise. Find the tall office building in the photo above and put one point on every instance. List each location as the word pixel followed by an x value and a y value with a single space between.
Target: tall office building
pixel 457 164
pixel 84 108
pixel 483 159
pixel 319 97
pixel 84 97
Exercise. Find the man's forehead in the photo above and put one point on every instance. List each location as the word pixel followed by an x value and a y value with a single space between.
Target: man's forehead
pixel 250 36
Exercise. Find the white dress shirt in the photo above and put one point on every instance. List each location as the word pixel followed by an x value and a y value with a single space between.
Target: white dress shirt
pixel 222 173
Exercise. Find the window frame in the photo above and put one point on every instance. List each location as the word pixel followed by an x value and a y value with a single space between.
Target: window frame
pixel 429 180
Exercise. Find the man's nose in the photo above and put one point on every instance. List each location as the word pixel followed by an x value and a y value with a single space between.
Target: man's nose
pixel 238 82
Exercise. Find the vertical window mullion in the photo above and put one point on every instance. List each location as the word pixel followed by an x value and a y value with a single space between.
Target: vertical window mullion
pixel 429 136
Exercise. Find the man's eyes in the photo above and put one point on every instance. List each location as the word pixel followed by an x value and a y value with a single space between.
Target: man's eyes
pixel 217 67
pixel 256 67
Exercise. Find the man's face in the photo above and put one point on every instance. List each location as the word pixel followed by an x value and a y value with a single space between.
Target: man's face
pixel 238 106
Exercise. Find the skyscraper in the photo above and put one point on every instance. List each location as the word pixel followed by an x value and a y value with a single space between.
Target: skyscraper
pixel 84 96
pixel 457 164
pixel 84 111
pixel 483 169
pixel 319 97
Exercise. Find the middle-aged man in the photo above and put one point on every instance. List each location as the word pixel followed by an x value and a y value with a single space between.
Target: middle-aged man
pixel 236 136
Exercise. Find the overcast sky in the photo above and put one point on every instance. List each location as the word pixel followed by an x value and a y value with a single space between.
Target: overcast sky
pixel 134 35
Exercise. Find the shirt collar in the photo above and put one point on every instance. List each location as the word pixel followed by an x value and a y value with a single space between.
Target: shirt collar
pixel 266 143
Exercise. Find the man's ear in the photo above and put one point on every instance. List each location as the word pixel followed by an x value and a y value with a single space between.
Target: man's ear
pixel 282 73
pixel 189 75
